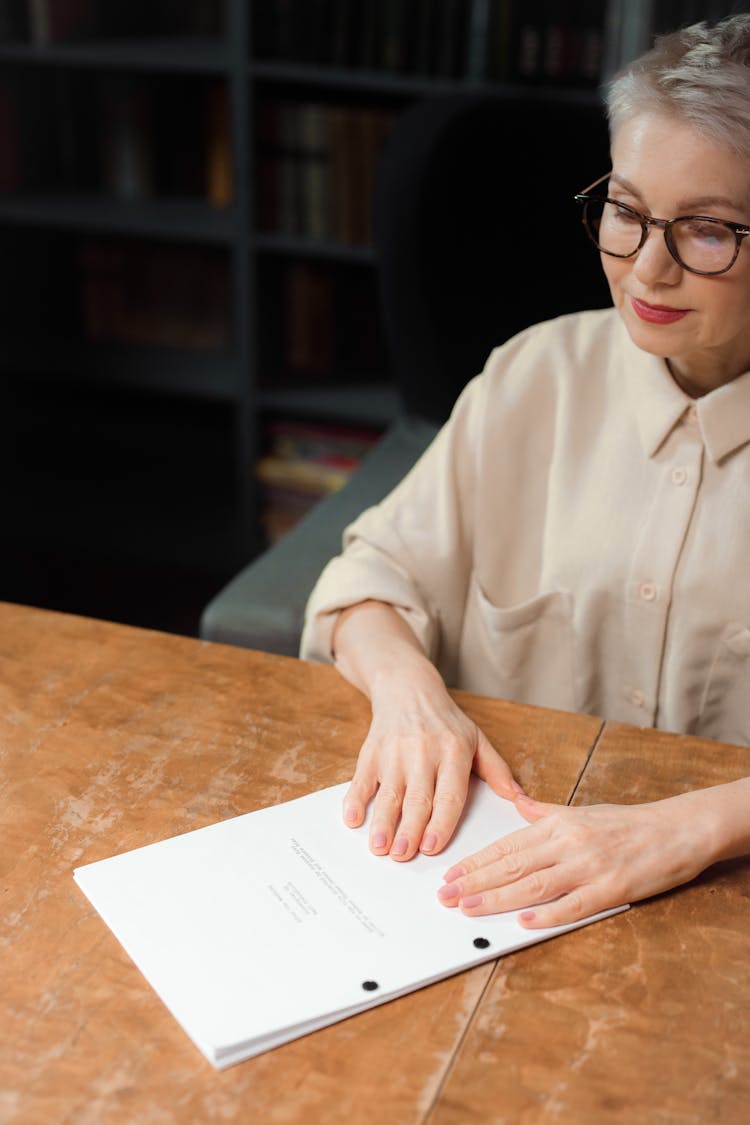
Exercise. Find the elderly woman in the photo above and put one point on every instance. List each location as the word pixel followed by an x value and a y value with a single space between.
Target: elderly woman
pixel 578 534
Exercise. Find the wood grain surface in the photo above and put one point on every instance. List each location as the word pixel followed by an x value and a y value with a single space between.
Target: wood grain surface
pixel 644 1017
pixel 113 737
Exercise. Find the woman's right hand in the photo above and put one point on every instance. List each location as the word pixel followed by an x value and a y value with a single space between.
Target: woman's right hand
pixel 421 747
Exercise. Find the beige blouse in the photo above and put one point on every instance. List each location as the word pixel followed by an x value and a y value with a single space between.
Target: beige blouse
pixel 577 536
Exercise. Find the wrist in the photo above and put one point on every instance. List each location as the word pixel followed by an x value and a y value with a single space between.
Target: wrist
pixel 726 824
pixel 714 825
pixel 408 671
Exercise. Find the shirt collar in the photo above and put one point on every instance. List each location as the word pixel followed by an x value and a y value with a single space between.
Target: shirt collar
pixel 724 417
pixel 658 404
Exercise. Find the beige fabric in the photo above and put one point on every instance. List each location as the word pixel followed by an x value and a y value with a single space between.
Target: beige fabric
pixel 577 536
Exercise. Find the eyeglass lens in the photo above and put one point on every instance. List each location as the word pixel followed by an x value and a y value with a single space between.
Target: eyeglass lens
pixel 699 244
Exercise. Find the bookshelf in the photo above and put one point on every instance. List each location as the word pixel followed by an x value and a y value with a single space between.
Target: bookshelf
pixel 185 219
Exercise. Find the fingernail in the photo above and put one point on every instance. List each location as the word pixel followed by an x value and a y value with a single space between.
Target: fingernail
pixel 454 873
pixel 524 797
pixel 352 816
pixel 471 901
pixel 448 892
pixel 527 916
pixel 430 842
pixel 400 846
pixel 379 840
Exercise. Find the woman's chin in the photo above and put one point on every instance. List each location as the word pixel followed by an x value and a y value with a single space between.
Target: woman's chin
pixel 650 338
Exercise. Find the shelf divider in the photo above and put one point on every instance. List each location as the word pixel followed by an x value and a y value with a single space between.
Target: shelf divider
pixel 191 220
pixel 188 56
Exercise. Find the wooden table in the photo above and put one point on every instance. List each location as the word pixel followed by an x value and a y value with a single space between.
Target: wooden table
pixel 113 737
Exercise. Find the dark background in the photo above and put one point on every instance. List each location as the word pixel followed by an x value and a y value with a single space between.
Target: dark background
pixel 128 449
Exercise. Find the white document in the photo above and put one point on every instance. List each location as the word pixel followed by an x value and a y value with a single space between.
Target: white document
pixel 265 927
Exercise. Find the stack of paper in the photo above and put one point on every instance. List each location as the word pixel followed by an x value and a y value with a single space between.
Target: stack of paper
pixel 273 924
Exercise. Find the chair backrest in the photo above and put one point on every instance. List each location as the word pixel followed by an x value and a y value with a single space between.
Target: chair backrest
pixel 477 232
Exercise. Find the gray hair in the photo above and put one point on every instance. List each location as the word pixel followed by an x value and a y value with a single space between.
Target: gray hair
pixel 700 75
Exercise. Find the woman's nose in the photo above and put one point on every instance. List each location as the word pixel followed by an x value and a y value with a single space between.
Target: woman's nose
pixel 654 262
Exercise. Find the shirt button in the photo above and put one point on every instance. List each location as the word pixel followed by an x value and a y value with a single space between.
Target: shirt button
pixel 647 590
pixel 637 698
pixel 679 476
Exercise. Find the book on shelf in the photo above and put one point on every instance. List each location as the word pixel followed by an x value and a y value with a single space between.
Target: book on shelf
pixel 164 140
pixel 132 138
pixel 181 123
pixel 478 40
pixel 591 42
pixel 287 190
pixel 43 23
pixel 219 168
pixel 549 42
pixel 189 18
pixel 309 320
pixel 499 44
pixel 394 39
pixel 163 19
pixel 154 294
pixel 310 28
pixel 557 32
pixel 273 29
pixel 128 150
pixel 59 21
pixel 14 21
pixel 348 188
pixel 538 41
pixel 281 511
pixel 421 49
pixel 70 142
pixel 557 42
pixel 324 324
pixel 370 44
pixel 267 174
pixel 30 142
pixel 630 28
pixel 450 38
pixel 316 169
pixel 10 142
pixel 302 464
pixel 583 37
pixel 344 34
pixel 303 477
pixel 527 42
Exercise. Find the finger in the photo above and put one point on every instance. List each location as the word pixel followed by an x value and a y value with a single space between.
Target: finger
pixel 505 846
pixel 494 876
pixel 537 888
pixel 578 903
pixel 532 810
pixel 494 770
pixel 358 796
pixel 386 813
pixel 416 809
pixel 450 797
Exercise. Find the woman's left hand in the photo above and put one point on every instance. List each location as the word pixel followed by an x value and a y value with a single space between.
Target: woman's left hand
pixel 573 862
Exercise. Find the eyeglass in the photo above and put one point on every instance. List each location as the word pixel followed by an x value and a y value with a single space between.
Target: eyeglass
pixel 698 243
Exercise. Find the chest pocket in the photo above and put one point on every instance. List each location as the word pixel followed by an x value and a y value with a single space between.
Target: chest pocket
pixel 725 708
pixel 522 652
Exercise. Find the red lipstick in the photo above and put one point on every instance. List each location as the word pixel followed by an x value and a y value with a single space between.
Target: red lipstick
pixel 657 314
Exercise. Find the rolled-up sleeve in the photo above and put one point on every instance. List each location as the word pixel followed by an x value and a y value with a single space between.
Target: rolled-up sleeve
pixel 413 550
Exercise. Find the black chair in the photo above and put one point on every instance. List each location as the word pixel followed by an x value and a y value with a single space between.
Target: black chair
pixel 477 237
